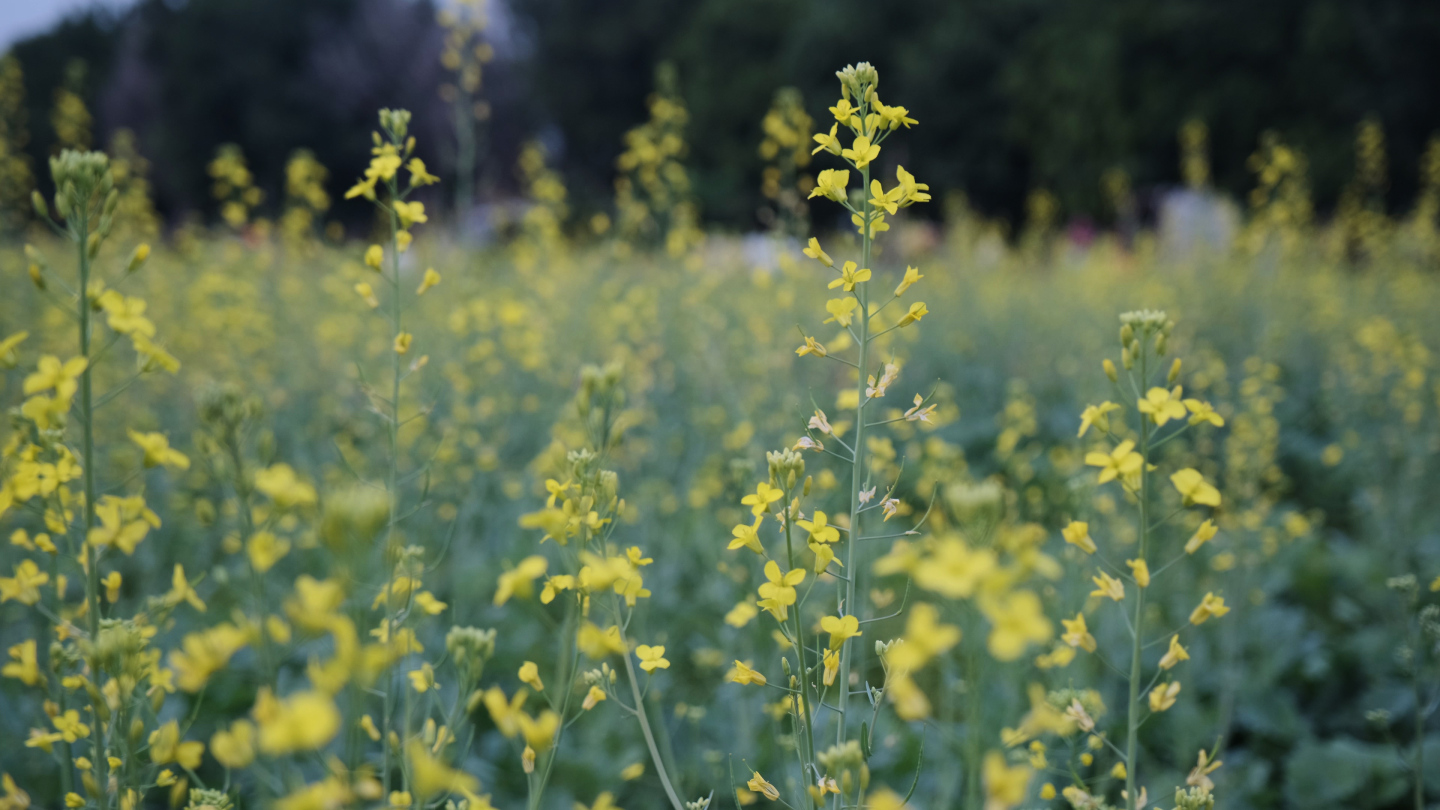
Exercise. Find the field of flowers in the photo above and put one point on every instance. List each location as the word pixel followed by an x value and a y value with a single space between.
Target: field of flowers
pixel 612 517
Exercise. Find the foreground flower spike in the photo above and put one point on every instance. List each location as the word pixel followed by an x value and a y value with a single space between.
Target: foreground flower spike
pixel 1125 453
pixel 823 678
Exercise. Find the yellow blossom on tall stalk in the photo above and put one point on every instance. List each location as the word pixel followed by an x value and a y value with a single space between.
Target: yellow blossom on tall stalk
pixel 95 656
pixel 834 543
pixel 1130 460
pixel 393 152
pixel 600 590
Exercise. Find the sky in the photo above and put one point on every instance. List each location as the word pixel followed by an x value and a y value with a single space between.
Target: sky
pixel 23 18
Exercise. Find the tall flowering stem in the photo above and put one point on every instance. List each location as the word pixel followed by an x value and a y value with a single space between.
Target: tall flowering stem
pixel 1130 458
pixel 392 152
pixel 840 771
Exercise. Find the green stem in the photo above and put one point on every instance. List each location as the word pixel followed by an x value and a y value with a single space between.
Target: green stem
pixel 804 712
pixel 393 485
pixel 87 426
pixel 643 716
pixel 1133 707
pixel 857 471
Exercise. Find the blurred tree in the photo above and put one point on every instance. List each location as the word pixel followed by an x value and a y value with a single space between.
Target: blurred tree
pixel 1012 95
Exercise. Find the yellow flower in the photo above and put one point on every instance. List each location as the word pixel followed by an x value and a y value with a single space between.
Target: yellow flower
pixel 430 777
pixel 539 732
pixel 812 346
pixel 25 667
pixel 235 747
pixel 1077 634
pixel 861 152
pixel 1106 585
pixel 24 587
pixel 633 771
pixel 1162 405
pixel 520 580
pixel 126 314
pixel 1140 571
pixel 165 746
pixel 1005 786
pixel 778 594
pixel 820 531
pixel 1078 534
pixel 842 310
pixel 124 522
pixel 840 629
pixel 430 280
pixel 9 358
pixel 403 240
pixel 744 675
pixel 410 213
pixel 742 614
pixel 818 253
pixel 1175 654
pixel 911 191
pixel 1163 696
pixel 758 784
pixel 925 637
pixel 831 662
pixel 827 142
pixel 593 697
pixel 764 495
pixel 204 653
pixel 182 591
pixel 846 113
pixel 831 184
pixel 51 373
pixel 530 676
pixel 422 679
pixel 597 643
pixel 418 175
pixel 1201 536
pixel 158 451
pixel 1194 489
pixel 284 487
pixel 1211 606
pixel 304 721
pixel 747 536
pixel 1097 415
pixel 265 549
pixel 1017 620
pixel 917 311
pixel 849 277
pixel 1121 461
pixel 402 342
pixel 1203 412
pixel 911 276
pixel 651 658
pixel 886 200
pixel 374 257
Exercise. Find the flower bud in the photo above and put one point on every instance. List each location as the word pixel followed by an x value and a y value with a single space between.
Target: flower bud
pixel 38 203
pixel 138 257
pixel 1127 359
pixel 1110 371
pixel 1174 372
pixel 1160 342
pixel 1127 335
